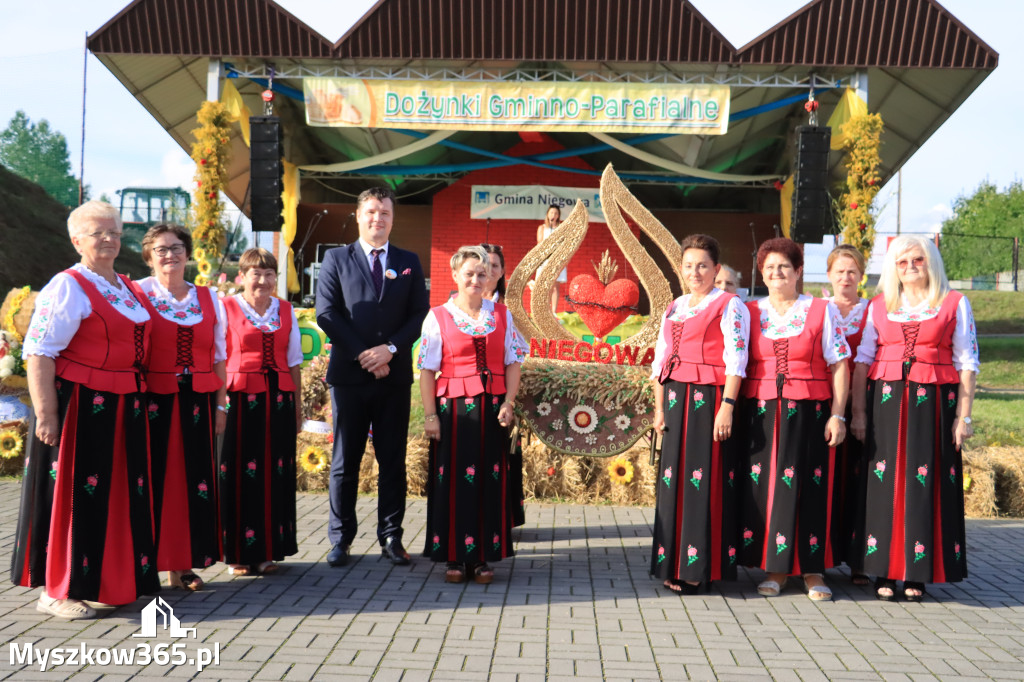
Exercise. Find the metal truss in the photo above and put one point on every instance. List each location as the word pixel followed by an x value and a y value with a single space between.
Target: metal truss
pixel 452 177
pixel 735 79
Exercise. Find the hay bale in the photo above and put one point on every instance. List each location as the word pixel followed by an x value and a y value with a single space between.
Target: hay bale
pixel 1008 466
pixel 980 496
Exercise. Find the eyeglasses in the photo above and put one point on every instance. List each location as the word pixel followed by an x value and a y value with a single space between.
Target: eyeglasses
pixel 176 249
pixel 489 247
pixel 904 262
pixel 101 234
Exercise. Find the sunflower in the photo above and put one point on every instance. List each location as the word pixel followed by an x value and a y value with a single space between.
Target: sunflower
pixel 313 459
pixel 620 470
pixel 199 254
pixel 201 281
pixel 11 443
pixel 205 268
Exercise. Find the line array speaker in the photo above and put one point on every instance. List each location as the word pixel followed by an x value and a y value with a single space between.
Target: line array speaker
pixel 265 173
pixel 812 206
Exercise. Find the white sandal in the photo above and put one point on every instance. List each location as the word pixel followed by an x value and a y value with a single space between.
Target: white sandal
pixel 68 609
pixel 770 588
pixel 818 592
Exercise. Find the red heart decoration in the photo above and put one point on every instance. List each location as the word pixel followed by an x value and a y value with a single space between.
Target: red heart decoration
pixel 603 308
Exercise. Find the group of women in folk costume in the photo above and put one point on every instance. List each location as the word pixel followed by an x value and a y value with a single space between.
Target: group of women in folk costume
pixel 754 400
pixel 130 384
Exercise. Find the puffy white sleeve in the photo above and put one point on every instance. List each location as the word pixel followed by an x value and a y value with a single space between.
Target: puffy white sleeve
pixel 429 357
pixel 736 332
pixel 220 329
pixel 660 347
pixel 60 308
pixel 833 341
pixel 965 339
pixel 868 340
pixel 516 347
pixel 294 357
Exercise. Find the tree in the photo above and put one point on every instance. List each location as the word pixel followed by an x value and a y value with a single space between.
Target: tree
pixel 39 154
pixel 967 245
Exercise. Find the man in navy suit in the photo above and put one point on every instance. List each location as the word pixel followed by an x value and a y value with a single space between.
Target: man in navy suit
pixel 370 300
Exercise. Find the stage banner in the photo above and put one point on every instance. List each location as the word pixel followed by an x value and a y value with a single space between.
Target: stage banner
pixel 499 105
pixel 530 202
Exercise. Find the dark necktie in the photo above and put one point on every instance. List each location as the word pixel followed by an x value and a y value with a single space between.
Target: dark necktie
pixel 377 271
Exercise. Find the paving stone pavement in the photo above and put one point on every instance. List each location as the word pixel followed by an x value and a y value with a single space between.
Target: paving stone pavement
pixel 575 603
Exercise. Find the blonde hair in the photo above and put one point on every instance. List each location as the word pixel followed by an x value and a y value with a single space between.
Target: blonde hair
pixel 467 252
pixel 848 250
pixel 81 218
pixel 891 287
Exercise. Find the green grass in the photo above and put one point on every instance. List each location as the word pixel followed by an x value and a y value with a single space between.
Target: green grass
pixel 998 312
pixel 998 420
pixel 1002 362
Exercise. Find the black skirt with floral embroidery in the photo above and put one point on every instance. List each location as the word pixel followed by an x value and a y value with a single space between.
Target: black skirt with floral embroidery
pixel 85 525
pixel 256 477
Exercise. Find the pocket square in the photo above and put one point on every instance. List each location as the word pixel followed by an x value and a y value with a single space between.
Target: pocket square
pixel 407 271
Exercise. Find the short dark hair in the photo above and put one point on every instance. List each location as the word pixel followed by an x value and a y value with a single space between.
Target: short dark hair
pixel 178 231
pixel 256 258
pixel 704 243
pixel 378 193
pixel 496 248
pixel 784 247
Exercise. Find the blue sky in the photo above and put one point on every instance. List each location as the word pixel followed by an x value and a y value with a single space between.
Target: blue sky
pixel 41 54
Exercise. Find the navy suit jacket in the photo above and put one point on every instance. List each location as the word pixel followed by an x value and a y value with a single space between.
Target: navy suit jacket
pixel 349 312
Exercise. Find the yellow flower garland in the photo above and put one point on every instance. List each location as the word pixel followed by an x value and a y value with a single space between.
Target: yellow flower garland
pixel 15 308
pixel 313 459
pixel 856 205
pixel 11 444
pixel 620 470
pixel 211 152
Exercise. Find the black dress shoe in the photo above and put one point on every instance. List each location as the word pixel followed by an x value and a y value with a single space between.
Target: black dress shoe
pixel 393 551
pixel 338 556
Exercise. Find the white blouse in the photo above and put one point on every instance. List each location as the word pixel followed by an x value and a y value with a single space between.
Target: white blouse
pixel 735 326
pixel 270 321
pixel 851 322
pixel 775 326
pixel 63 304
pixel 188 312
pixel 965 334
pixel 429 358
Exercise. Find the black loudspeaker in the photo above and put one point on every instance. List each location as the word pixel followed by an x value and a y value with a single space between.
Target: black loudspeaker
pixel 265 173
pixel 812 206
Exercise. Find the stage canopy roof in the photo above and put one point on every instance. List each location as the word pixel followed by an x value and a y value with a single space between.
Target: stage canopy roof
pixel 915 62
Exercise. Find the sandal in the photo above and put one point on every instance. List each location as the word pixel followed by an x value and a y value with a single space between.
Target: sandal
pixel 820 592
pixel 771 588
pixel 482 573
pixel 911 596
pixel 267 568
pixel 681 586
pixel 239 569
pixel 455 573
pixel 885 584
pixel 68 609
pixel 186 580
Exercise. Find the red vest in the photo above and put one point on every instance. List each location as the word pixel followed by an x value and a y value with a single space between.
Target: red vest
pixel 471 365
pixel 107 351
pixel 797 358
pixel 696 346
pixel 252 353
pixel 928 345
pixel 175 348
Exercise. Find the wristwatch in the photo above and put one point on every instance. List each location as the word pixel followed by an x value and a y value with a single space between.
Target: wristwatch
pixel 391 348
pixel 966 420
